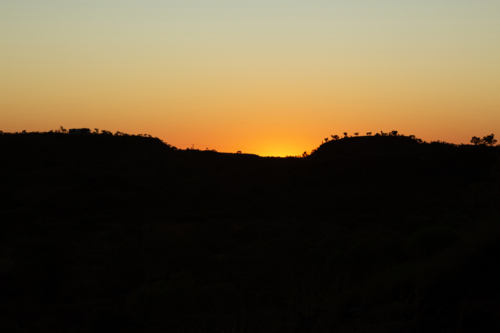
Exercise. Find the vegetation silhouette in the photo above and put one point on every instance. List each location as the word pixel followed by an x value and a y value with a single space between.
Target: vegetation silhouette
pixel 376 233
pixel 488 140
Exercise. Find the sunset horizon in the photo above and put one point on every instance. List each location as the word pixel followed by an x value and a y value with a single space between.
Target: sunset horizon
pixel 249 166
pixel 271 78
pixel 277 153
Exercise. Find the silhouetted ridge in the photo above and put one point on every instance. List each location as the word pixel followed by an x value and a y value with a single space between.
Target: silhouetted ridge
pixel 367 145
pixel 381 234
pixel 58 146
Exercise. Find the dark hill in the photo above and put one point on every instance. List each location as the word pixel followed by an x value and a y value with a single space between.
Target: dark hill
pixel 369 234
pixel 54 148
pixel 367 145
pixel 60 145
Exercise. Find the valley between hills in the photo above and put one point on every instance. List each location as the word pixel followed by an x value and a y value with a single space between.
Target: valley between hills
pixel 382 233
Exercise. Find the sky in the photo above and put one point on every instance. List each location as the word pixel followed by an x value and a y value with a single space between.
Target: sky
pixel 269 77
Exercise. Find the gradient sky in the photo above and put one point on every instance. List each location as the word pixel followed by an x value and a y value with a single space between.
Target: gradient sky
pixel 265 77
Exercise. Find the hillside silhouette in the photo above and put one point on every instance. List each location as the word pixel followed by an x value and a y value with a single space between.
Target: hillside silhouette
pixel 369 145
pixel 382 233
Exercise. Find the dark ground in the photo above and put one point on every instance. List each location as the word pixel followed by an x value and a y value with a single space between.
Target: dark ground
pixel 368 234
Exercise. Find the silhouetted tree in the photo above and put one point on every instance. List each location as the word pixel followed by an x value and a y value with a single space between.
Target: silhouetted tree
pixel 326 139
pixel 335 137
pixel 104 132
pixel 368 133
pixel 394 133
pixel 356 134
pixel 63 130
pixel 489 140
pixel 476 141
pixel 304 154
pixel 238 152
pixel 345 134
pixel 96 131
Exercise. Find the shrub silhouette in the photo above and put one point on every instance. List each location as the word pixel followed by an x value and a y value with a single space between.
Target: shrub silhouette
pixel 488 140
pixel 475 140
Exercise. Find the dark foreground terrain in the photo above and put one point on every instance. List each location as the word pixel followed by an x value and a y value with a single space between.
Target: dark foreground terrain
pixel 102 233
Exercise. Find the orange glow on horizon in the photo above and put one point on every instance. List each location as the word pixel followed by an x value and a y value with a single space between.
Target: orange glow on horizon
pixel 268 78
